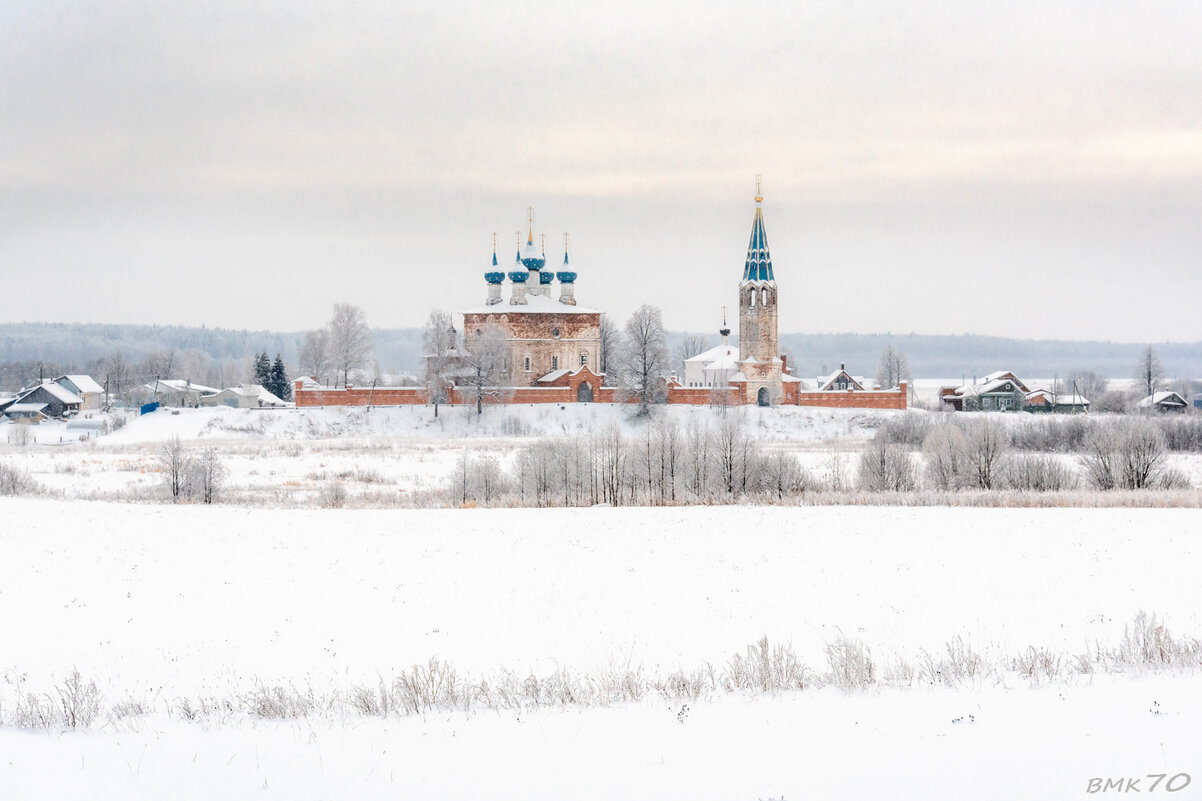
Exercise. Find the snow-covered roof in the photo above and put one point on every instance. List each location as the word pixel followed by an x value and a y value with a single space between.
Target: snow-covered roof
pixel 83 383
pixel 180 385
pixel 26 407
pixel 554 375
pixel 1164 396
pixel 722 357
pixel 61 393
pixel 535 304
pixel 1059 399
pixel 825 382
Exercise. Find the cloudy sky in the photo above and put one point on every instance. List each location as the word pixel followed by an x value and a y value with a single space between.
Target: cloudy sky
pixel 1028 169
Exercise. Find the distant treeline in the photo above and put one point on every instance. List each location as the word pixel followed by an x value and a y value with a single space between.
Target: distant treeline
pixel 70 347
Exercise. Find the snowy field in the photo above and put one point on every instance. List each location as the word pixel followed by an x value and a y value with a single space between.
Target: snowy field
pixel 171 610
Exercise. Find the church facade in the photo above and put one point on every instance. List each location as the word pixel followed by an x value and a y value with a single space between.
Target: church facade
pixel 549 335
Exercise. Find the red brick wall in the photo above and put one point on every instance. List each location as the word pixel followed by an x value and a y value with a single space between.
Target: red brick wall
pixel 698 396
pixel 876 399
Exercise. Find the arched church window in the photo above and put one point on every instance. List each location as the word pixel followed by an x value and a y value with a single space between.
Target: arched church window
pixel 554 362
pixel 764 298
pixel 751 302
pixel 527 364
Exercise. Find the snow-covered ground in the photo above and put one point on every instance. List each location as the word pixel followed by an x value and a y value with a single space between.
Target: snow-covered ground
pixel 162 603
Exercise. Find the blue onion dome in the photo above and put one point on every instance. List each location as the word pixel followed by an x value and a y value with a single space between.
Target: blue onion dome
pixel 545 277
pixel 531 258
pixel 566 276
pixel 519 276
pixel 494 276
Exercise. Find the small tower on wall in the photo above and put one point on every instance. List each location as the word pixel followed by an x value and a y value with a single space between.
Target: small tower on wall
pixel 759 353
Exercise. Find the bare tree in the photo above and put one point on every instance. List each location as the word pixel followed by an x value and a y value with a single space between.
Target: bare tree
pixel 315 354
pixel 688 347
pixel 350 339
pixel 116 374
pixel 892 369
pixel 886 466
pixel 610 337
pixel 484 367
pixel 439 342
pixel 1086 383
pixel 986 444
pixel 176 465
pixel 1148 371
pixel 945 450
pixel 644 359
pixel 159 364
pixel 208 475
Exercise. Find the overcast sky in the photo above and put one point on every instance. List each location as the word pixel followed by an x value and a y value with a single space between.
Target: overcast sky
pixel 1027 169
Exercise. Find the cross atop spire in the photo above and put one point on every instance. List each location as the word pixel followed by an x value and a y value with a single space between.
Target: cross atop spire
pixel 565 247
pixel 759 192
pixel 494 248
pixel 530 230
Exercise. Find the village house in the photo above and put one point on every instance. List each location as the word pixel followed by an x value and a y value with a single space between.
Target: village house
pixel 1004 391
pixel 244 396
pixel 1164 402
pixel 85 388
pixel 842 381
pixel 56 400
pixel 176 392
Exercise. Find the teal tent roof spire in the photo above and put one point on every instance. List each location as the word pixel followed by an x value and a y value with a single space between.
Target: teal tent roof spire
pixel 758 266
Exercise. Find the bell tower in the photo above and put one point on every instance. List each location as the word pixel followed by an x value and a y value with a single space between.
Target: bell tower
pixel 759 352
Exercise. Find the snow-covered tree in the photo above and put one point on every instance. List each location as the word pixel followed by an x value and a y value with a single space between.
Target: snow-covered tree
pixel 484 368
pixel 688 347
pixel 315 358
pixel 892 369
pixel 261 372
pixel 280 386
pixel 1148 371
pixel 643 359
pixel 439 342
pixel 350 339
pixel 610 337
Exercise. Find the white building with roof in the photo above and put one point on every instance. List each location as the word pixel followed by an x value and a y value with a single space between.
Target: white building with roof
pixel 86 388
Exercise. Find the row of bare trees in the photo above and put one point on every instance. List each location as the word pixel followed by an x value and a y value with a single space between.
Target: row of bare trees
pixel 720 460
pixel 663 463
pixel 977 453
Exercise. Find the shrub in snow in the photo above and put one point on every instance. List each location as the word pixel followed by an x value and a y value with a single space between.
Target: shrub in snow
pixel 1126 454
pixel 850 664
pixel 16 482
pixel 19 434
pixel 985 446
pixel 946 459
pixel 886 467
pixel 1038 474
pixel 332 495
pixel 766 669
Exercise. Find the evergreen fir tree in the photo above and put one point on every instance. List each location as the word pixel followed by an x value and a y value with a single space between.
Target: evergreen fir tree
pixel 280 386
pixel 263 369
